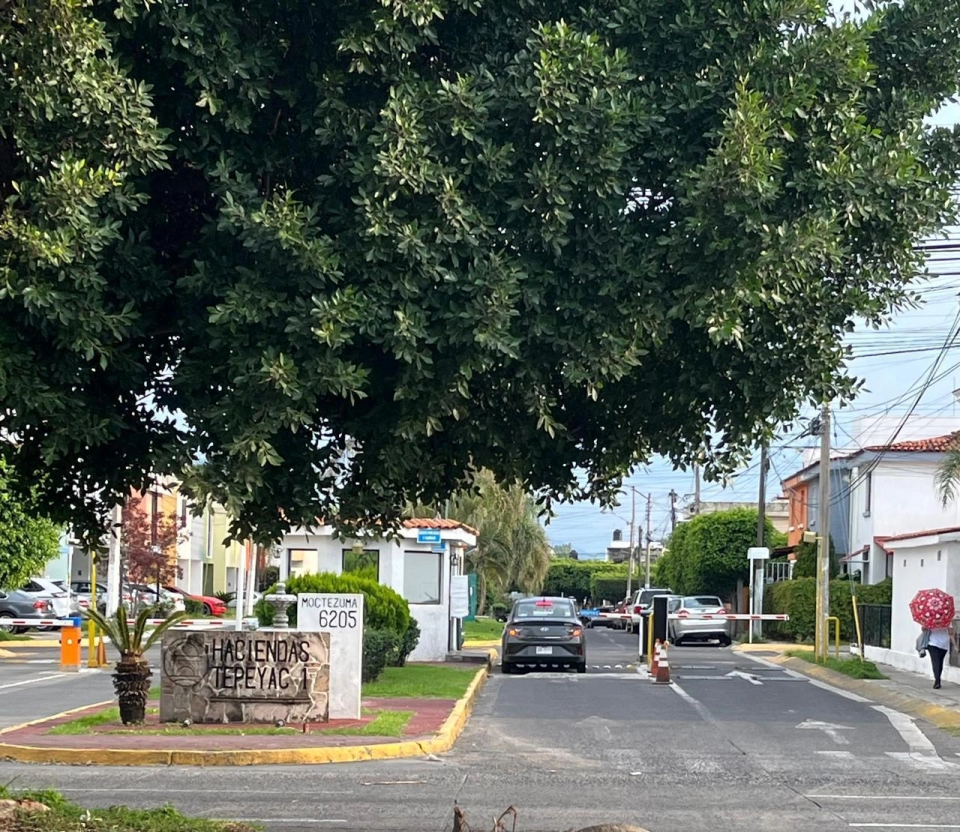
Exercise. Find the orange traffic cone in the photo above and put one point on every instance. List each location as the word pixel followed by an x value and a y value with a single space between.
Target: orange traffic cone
pixel 101 653
pixel 663 666
pixel 655 659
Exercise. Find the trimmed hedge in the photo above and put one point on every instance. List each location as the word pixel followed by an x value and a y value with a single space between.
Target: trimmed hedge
pixel 380 648
pixel 798 599
pixel 574 579
pixel 608 588
pixel 384 609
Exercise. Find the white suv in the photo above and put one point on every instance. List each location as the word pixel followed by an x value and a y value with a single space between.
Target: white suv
pixel 640 604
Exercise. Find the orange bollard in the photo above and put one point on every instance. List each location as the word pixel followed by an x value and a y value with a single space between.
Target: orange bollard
pixel 70 640
pixel 663 666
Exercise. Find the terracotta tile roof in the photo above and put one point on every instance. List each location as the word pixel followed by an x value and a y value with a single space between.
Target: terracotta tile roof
pixel 936 443
pixel 437 523
pixel 882 541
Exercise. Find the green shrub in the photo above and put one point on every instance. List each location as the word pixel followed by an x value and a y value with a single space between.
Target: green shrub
pixel 192 607
pixel 798 599
pixel 226 597
pixel 380 648
pixel 407 644
pixel 384 609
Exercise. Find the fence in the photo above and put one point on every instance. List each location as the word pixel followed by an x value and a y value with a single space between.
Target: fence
pixel 778 571
pixel 875 624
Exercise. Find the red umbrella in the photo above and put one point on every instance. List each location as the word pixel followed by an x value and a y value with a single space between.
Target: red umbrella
pixel 932 608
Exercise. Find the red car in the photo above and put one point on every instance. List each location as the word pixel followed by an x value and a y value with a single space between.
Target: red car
pixel 211 605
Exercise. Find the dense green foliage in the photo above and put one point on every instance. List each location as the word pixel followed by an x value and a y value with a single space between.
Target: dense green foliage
pixel 709 552
pixel 606 587
pixel 806 565
pixel 798 599
pixel 380 649
pixel 574 579
pixel 27 540
pixel 347 252
pixel 383 608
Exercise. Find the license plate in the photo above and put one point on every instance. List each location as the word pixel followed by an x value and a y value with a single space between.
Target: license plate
pixel 544 651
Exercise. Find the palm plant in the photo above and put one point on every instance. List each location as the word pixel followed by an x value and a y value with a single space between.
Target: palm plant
pixel 948 474
pixel 131 674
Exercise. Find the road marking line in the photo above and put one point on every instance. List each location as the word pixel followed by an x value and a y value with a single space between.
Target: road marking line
pixel 923 762
pixel 874 796
pixel 828 728
pixel 905 825
pixel 703 678
pixel 915 739
pixel 696 704
pixel 735 673
pixel 33 681
pixel 853 697
pixel 840 755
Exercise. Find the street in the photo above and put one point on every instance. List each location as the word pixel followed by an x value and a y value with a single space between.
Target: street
pixel 735 743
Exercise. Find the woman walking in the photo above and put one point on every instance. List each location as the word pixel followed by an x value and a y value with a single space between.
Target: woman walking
pixel 938 645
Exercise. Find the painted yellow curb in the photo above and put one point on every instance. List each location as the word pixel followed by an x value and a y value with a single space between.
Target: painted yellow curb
pixel 939 716
pixel 480 644
pixel 775 647
pixel 6 654
pixel 30 644
pixel 444 741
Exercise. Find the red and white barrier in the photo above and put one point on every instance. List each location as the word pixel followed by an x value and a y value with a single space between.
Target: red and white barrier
pixel 151 622
pixel 728 617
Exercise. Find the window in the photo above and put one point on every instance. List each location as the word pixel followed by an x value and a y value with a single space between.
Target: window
pixel 868 498
pixel 544 608
pixel 421 577
pixel 300 561
pixel 365 564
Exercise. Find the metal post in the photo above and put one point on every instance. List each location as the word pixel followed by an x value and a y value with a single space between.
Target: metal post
pixel 673 510
pixel 823 531
pixel 241 576
pixel 649 509
pixel 696 487
pixel 633 525
pixel 756 589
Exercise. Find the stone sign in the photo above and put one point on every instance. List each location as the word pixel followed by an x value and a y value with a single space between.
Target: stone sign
pixel 264 676
pixel 340 615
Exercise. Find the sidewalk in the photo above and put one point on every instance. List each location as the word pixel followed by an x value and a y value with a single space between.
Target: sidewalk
pixel 910 693
pixel 432 727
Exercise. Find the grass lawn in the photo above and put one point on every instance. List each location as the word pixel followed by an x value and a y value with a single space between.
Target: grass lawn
pixel 68 817
pixel 421 681
pixel 386 724
pixel 853 667
pixel 5 636
pixel 483 629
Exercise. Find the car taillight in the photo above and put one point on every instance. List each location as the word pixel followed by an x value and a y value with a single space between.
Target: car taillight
pixel 683 613
pixel 41 605
pixel 721 611
pixel 637 609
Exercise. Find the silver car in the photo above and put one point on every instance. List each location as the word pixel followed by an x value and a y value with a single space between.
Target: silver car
pixel 683 630
pixel 33 600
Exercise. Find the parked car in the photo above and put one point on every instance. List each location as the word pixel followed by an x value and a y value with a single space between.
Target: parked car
pixel 641 603
pixel 32 600
pixel 145 595
pixel 211 604
pixel 605 617
pixel 683 630
pixel 83 590
pixel 232 603
pixel 543 632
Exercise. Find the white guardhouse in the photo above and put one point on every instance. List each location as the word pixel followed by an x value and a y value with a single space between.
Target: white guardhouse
pixel 418 564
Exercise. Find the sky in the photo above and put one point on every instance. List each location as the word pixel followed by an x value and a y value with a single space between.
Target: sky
pixel 892 381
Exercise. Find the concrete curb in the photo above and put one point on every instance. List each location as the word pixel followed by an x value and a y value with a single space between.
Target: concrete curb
pixel 446 737
pixel 772 647
pixel 937 715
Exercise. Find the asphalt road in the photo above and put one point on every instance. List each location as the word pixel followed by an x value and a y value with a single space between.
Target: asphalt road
pixel 734 744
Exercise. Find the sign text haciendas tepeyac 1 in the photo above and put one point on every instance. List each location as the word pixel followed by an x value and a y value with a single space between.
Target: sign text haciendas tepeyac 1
pixel 342 617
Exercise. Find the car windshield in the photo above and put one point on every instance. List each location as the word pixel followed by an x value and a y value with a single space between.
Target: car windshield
pixel 544 608
pixel 647 596
pixel 702 601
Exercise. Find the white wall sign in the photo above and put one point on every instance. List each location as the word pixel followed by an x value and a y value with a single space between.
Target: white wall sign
pixel 342 617
pixel 758 553
pixel 459 596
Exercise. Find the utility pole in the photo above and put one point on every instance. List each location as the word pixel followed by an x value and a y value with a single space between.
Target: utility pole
pixel 649 510
pixel 633 525
pixel 696 487
pixel 823 532
pixel 757 568
pixel 673 510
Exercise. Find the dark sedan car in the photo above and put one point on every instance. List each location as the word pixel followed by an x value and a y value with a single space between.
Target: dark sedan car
pixel 543 632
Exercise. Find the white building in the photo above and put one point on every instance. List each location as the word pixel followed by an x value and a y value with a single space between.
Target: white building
pixel 928 559
pixel 410 564
pixel 892 491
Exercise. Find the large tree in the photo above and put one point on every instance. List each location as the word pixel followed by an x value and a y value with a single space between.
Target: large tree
pixel 347 251
pixel 148 544
pixel 27 540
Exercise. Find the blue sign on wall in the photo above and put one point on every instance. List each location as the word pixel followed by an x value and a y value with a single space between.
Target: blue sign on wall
pixel 428 536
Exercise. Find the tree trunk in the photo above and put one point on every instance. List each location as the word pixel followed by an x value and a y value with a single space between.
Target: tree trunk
pixel 131 681
pixel 481 592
